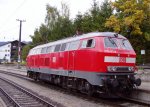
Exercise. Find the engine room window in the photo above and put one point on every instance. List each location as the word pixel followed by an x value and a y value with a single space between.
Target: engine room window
pixel 30 52
pixel 57 48
pixel 48 49
pixel 109 42
pixel 67 46
pixel 35 51
pixel 74 45
pixel 44 50
pixel 38 51
pixel 63 47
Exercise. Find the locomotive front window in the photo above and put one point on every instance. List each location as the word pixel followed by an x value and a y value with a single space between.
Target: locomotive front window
pixel 109 42
pixel 126 45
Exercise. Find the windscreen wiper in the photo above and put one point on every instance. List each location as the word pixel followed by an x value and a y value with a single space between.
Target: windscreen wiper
pixel 112 41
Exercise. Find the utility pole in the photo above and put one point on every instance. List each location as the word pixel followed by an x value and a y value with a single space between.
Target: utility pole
pixel 19 44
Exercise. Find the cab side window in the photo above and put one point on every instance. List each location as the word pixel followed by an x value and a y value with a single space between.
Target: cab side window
pixel 90 43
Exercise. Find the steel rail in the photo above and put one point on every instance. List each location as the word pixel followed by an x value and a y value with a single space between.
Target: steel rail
pixel 10 98
pixel 138 96
pixel 137 101
pixel 26 78
pixel 40 100
pixel 74 93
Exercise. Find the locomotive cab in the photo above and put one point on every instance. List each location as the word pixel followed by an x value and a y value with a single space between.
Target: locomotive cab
pixel 119 62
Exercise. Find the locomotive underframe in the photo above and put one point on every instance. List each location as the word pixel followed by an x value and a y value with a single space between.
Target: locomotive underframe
pixel 107 82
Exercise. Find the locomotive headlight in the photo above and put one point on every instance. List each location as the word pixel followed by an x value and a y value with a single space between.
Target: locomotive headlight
pixel 109 68
pixel 112 68
pixel 131 68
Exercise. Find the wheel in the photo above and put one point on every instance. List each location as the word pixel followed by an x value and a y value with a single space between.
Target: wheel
pixel 89 88
pixel 35 76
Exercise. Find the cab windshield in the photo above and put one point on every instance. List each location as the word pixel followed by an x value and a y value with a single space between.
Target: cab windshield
pixel 125 44
pixel 117 43
pixel 110 42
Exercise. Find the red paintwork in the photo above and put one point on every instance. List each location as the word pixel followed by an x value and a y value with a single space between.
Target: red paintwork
pixel 87 59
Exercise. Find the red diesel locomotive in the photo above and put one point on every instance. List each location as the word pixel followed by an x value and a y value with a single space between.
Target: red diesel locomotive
pixel 93 62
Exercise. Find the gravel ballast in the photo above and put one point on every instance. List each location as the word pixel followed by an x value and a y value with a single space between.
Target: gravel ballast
pixel 56 96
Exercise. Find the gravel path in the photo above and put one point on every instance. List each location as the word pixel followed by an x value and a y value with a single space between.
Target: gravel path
pixel 2 104
pixel 144 75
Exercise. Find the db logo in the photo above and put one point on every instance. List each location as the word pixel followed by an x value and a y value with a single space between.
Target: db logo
pixel 122 59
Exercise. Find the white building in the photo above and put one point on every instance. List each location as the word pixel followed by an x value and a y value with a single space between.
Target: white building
pixel 9 51
pixel 5 52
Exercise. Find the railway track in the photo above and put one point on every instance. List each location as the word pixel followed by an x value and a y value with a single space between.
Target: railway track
pixel 139 96
pixel 19 97
pixel 129 98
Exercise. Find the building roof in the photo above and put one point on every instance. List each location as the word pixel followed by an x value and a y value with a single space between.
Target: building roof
pixel 4 43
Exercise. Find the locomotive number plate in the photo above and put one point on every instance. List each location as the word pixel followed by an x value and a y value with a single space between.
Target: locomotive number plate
pixel 122 59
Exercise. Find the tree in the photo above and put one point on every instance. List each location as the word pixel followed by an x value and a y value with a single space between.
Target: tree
pixel 51 16
pixel 57 25
pixel 40 35
pixel 132 19
pixel 128 17
pixel 94 19
pixel 63 26
pixel 25 51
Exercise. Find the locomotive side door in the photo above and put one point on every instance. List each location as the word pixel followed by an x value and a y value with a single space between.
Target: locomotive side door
pixel 71 57
pixel 71 60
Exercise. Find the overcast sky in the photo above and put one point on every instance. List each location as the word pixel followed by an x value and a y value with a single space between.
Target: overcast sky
pixel 34 12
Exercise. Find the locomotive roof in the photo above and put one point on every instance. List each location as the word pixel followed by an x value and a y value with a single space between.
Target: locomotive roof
pixel 74 38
